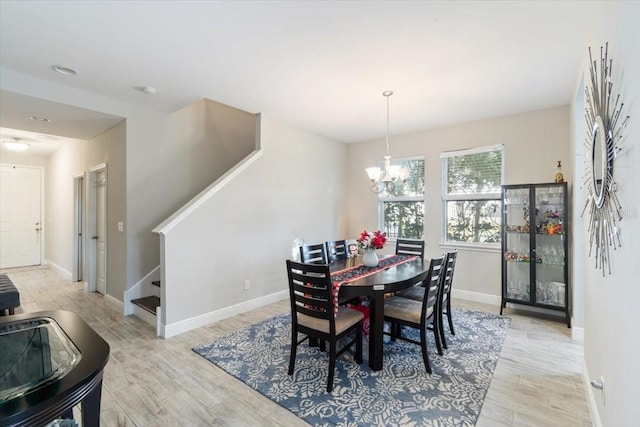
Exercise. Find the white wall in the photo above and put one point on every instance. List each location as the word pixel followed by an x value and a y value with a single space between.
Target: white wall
pixel 23 158
pixel 110 147
pixel 76 158
pixel 63 165
pixel 164 168
pixel 533 143
pixel 246 230
pixel 612 303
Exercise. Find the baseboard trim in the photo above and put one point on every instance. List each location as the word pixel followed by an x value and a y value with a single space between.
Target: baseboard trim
pixel 177 328
pixel 111 300
pixel 591 398
pixel 577 334
pixel 61 271
pixel 475 297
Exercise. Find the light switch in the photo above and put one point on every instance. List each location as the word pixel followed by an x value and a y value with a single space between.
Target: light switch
pixel 120 226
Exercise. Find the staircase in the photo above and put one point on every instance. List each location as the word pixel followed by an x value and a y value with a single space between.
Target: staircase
pixel 149 303
pixel 145 308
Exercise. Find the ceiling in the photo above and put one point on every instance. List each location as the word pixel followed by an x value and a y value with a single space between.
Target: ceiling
pixel 318 65
pixel 66 123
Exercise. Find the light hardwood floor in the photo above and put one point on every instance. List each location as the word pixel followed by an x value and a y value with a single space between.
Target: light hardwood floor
pixel 154 382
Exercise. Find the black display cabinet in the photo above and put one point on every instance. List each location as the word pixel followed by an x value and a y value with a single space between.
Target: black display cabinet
pixel 534 246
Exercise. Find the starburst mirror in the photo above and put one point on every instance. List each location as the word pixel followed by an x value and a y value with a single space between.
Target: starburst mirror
pixel 604 137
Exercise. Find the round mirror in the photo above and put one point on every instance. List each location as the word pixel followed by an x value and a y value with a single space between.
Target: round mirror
pixel 599 161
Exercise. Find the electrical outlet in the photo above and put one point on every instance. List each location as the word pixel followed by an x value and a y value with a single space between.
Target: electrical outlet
pixel 247 284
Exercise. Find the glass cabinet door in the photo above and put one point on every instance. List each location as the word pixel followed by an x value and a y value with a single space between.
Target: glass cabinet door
pixel 517 243
pixel 550 245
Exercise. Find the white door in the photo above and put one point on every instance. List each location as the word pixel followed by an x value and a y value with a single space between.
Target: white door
pixel 20 221
pixel 101 231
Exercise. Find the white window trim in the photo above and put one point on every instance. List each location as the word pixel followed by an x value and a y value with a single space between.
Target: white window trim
pixel 476 247
pixel 477 150
pixel 446 197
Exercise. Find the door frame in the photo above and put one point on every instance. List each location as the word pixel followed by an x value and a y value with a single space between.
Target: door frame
pixel 91 228
pixel 79 227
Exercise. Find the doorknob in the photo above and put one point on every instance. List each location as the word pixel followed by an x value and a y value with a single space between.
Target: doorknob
pixel 94 237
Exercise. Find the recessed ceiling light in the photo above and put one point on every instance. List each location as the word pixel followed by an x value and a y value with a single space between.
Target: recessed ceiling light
pixel 40 119
pixel 64 70
pixel 15 145
pixel 149 90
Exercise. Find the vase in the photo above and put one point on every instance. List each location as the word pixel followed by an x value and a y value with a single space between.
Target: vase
pixel 370 258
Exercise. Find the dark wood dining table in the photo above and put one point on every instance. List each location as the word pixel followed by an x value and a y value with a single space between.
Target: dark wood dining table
pixel 374 287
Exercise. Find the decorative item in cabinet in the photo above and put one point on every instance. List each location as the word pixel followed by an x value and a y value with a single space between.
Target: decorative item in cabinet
pixel 534 247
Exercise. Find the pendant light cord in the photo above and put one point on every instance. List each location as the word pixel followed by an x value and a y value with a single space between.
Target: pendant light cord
pixel 387 94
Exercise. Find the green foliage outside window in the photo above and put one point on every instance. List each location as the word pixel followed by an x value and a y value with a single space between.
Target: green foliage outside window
pixel 472 198
pixel 403 208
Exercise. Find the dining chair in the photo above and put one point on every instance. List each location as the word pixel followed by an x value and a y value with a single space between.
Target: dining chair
pixel 336 250
pixel 443 306
pixel 314 314
pixel 445 300
pixel 421 315
pixel 410 247
pixel 313 254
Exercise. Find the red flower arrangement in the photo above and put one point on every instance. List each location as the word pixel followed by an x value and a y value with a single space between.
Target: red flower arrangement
pixel 375 240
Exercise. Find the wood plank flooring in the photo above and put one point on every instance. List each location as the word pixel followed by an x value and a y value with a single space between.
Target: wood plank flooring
pixel 154 382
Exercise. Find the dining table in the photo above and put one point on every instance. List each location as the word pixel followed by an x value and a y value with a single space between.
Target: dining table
pixel 401 273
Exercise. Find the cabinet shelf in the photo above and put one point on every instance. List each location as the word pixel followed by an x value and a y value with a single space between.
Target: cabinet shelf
pixel 541 278
pixel 550 264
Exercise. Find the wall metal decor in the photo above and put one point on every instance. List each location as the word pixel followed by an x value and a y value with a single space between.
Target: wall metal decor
pixel 604 139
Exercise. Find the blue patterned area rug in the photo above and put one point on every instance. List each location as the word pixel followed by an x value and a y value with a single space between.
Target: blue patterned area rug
pixel 401 394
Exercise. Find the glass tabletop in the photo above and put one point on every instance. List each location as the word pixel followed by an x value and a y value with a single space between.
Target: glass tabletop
pixel 35 352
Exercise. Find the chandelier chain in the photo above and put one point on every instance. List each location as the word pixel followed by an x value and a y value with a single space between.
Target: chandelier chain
pixel 387 94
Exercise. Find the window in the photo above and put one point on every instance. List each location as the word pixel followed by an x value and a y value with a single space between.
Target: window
pixel 401 212
pixel 471 196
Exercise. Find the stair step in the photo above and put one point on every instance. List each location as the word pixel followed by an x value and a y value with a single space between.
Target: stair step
pixel 148 303
pixel 156 282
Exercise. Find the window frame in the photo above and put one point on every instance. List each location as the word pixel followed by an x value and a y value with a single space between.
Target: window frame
pixel 446 197
pixel 420 198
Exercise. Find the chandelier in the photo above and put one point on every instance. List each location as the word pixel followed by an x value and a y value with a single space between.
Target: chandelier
pixel 386 178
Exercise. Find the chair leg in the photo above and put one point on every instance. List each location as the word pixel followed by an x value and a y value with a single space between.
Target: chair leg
pixel 435 324
pixel 393 330
pixel 423 346
pixel 332 364
pixel 322 346
pixel 441 331
pixel 359 344
pixel 294 347
pixel 449 316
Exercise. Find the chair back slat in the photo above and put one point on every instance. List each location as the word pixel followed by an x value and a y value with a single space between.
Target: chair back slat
pixel 410 247
pixel 313 254
pixel 310 291
pixel 336 250
pixel 447 281
pixel 432 284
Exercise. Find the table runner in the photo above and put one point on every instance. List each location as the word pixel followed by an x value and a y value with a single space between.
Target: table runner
pixel 339 278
